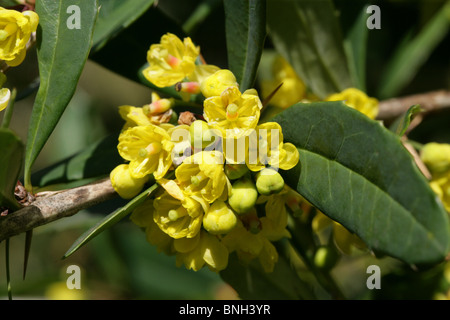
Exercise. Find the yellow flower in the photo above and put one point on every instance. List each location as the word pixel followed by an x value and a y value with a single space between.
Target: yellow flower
pixel 148 114
pixel 202 174
pixel 215 84
pixel 436 156
pixel 441 186
pixel 266 147
pixel 273 225
pixel 142 216
pixel 171 60
pixel 208 251
pixel 292 90
pixel 176 213
pixel 124 184
pixel 15 31
pixel 249 246
pixel 358 100
pixel 233 113
pixel 149 150
pixel 5 95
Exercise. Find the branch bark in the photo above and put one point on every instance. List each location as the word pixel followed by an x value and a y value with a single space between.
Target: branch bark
pixel 55 206
pixel 429 101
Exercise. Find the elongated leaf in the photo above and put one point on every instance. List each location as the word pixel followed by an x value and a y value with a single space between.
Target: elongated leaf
pixel 114 16
pixel 12 150
pixel 110 220
pixel 307 33
pixel 245 32
pixel 356 47
pixel 97 160
pixel 62 53
pixel 410 56
pixel 358 173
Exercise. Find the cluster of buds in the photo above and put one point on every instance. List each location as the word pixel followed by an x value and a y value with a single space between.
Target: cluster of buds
pixel 215 198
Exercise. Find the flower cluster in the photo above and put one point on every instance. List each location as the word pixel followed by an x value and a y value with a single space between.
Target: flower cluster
pixel 220 189
pixel 16 29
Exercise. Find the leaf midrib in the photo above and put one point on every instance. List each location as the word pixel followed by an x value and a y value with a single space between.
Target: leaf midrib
pixel 434 241
pixel 49 75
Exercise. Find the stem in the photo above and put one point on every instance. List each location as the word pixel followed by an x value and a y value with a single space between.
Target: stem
pixel 9 110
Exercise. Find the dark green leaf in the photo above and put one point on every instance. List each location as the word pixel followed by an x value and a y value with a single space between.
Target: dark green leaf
pixel 411 54
pixel 114 16
pixel 355 46
pixel 99 159
pixel 402 123
pixel 359 174
pixel 307 33
pixel 62 53
pixel 245 27
pixel 110 220
pixel 11 161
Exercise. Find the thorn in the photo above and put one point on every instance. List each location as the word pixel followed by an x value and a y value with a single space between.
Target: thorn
pixel 28 238
pixel 270 96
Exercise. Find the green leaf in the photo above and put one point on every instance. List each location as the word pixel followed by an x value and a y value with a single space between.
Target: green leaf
pixel 356 46
pixel 114 16
pixel 110 220
pixel 411 55
pixel 359 174
pixel 400 125
pixel 62 53
pixel 11 161
pixel 307 33
pixel 245 25
pixel 252 282
pixel 99 159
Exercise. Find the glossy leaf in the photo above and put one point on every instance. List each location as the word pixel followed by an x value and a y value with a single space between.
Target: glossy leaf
pixel 245 25
pixel 62 53
pixel 359 174
pixel 110 220
pixel 307 33
pixel 114 16
pixel 97 160
pixel 12 150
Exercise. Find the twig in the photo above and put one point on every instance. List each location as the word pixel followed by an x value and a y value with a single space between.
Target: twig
pixel 429 101
pixel 47 209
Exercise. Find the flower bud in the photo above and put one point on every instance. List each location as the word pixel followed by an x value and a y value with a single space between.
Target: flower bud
pixel 243 196
pixel 219 219
pixel 215 84
pixel 436 157
pixel 124 184
pixel 201 134
pixel 235 171
pixel 325 257
pixel 269 181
